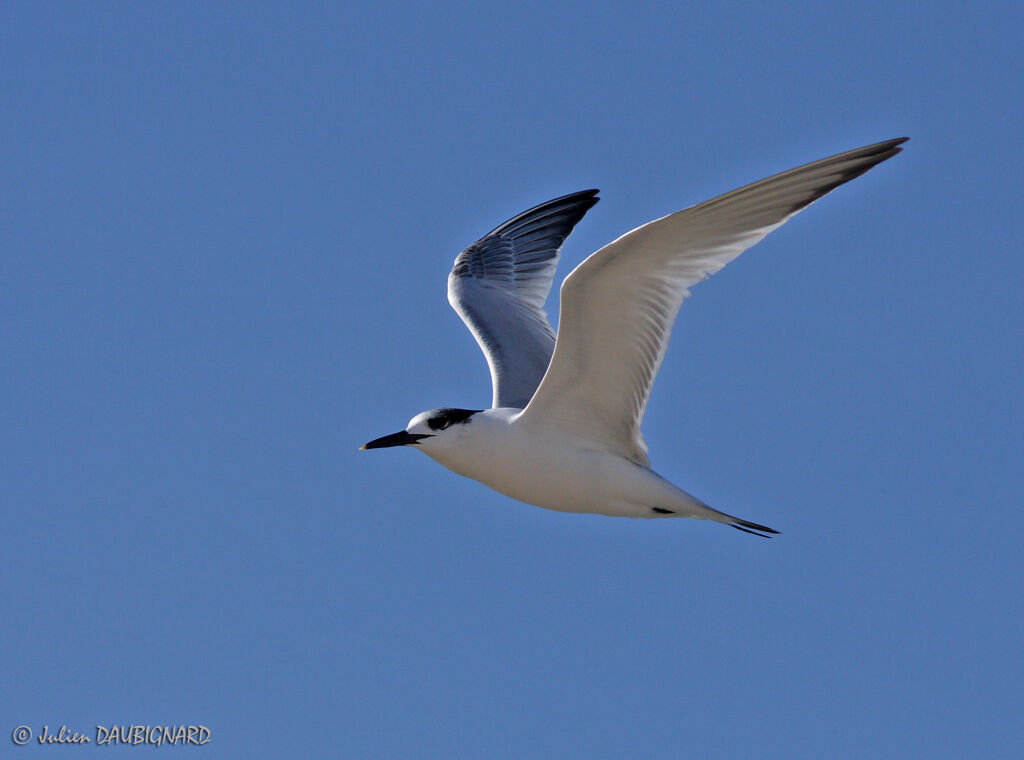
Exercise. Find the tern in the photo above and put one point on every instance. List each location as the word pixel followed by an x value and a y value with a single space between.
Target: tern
pixel 563 432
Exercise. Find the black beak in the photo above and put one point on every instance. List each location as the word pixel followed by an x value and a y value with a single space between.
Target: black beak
pixel 395 439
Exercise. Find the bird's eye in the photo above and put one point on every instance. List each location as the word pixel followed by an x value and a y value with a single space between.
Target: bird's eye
pixel 438 423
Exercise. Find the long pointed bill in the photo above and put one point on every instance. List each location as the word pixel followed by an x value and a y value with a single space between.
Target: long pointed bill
pixel 395 439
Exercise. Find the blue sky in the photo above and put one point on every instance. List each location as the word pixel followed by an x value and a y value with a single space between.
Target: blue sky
pixel 224 235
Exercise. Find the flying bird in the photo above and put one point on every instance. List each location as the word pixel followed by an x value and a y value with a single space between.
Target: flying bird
pixel 563 430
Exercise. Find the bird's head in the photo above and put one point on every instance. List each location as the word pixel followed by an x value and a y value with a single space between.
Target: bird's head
pixel 426 429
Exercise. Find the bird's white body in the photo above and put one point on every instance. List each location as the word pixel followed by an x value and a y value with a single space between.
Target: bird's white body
pixel 563 432
pixel 497 449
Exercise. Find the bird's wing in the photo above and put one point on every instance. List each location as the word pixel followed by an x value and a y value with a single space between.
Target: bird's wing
pixel 499 284
pixel 618 306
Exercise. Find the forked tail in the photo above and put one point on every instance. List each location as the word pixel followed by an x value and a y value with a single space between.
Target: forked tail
pixel 752 528
pixel 685 504
pixel 700 510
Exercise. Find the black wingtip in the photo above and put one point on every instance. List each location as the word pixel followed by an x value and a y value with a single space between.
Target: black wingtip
pixel 563 212
pixel 882 147
pixel 865 158
pixel 754 529
pixel 579 194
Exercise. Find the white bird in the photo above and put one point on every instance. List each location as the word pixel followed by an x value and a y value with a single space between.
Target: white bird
pixel 563 432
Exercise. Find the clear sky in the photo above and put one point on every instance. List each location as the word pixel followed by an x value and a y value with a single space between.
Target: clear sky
pixel 225 230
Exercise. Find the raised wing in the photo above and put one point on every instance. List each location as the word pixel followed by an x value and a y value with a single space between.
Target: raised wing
pixel 499 284
pixel 618 306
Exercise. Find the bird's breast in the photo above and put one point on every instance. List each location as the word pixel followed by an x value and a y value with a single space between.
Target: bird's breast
pixel 544 471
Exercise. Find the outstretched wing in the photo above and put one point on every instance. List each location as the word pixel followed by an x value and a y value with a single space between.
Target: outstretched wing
pixel 499 284
pixel 618 306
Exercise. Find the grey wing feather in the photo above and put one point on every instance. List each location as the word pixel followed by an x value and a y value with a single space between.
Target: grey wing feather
pixel 618 306
pixel 499 285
